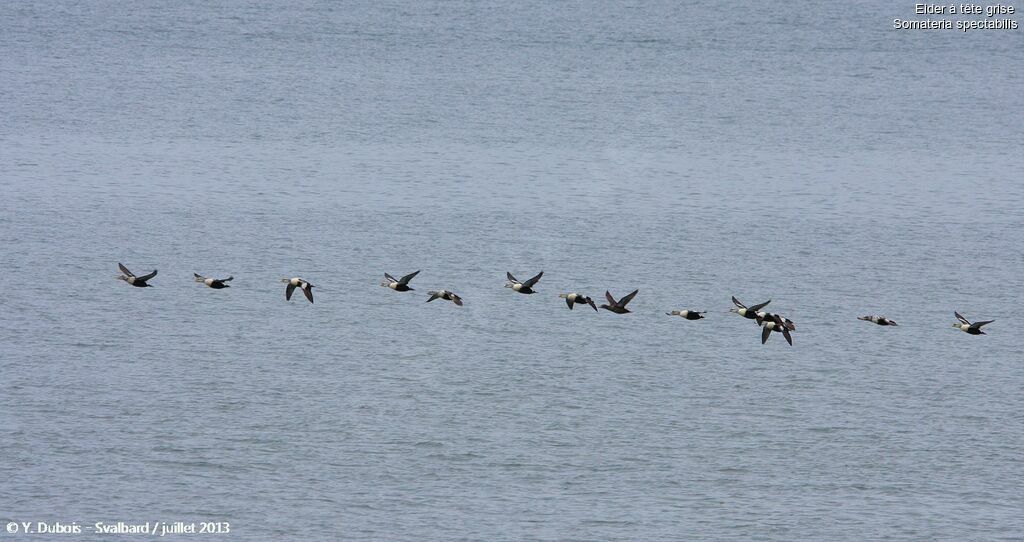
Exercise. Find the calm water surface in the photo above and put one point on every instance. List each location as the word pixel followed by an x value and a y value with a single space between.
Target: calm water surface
pixel 803 153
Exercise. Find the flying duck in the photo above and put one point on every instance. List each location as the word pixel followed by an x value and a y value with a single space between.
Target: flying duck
pixel 880 320
pixel 776 323
pixel 618 307
pixel 445 295
pixel 522 287
pixel 573 298
pixel 688 314
pixel 138 282
pixel 216 284
pixel 969 328
pixel 747 312
pixel 304 285
pixel 398 285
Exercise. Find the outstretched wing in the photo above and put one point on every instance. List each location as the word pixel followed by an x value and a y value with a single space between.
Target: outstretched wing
pixel 308 290
pixel 782 325
pixel 510 277
pixel 977 325
pixel 765 332
pixel 608 296
pixel 198 276
pixel 568 301
pixel 144 278
pixel 390 278
pixel 433 296
pixel 457 300
pixel 592 305
pixel 407 278
pixel 760 306
pixel 961 318
pixel 229 279
pixel 288 291
pixel 124 269
pixel 737 303
pixel 531 282
pixel 628 298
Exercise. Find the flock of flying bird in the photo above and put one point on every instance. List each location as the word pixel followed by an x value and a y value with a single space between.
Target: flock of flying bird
pixel 768 321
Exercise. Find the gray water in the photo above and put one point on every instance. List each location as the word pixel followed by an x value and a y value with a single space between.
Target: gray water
pixel 804 153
